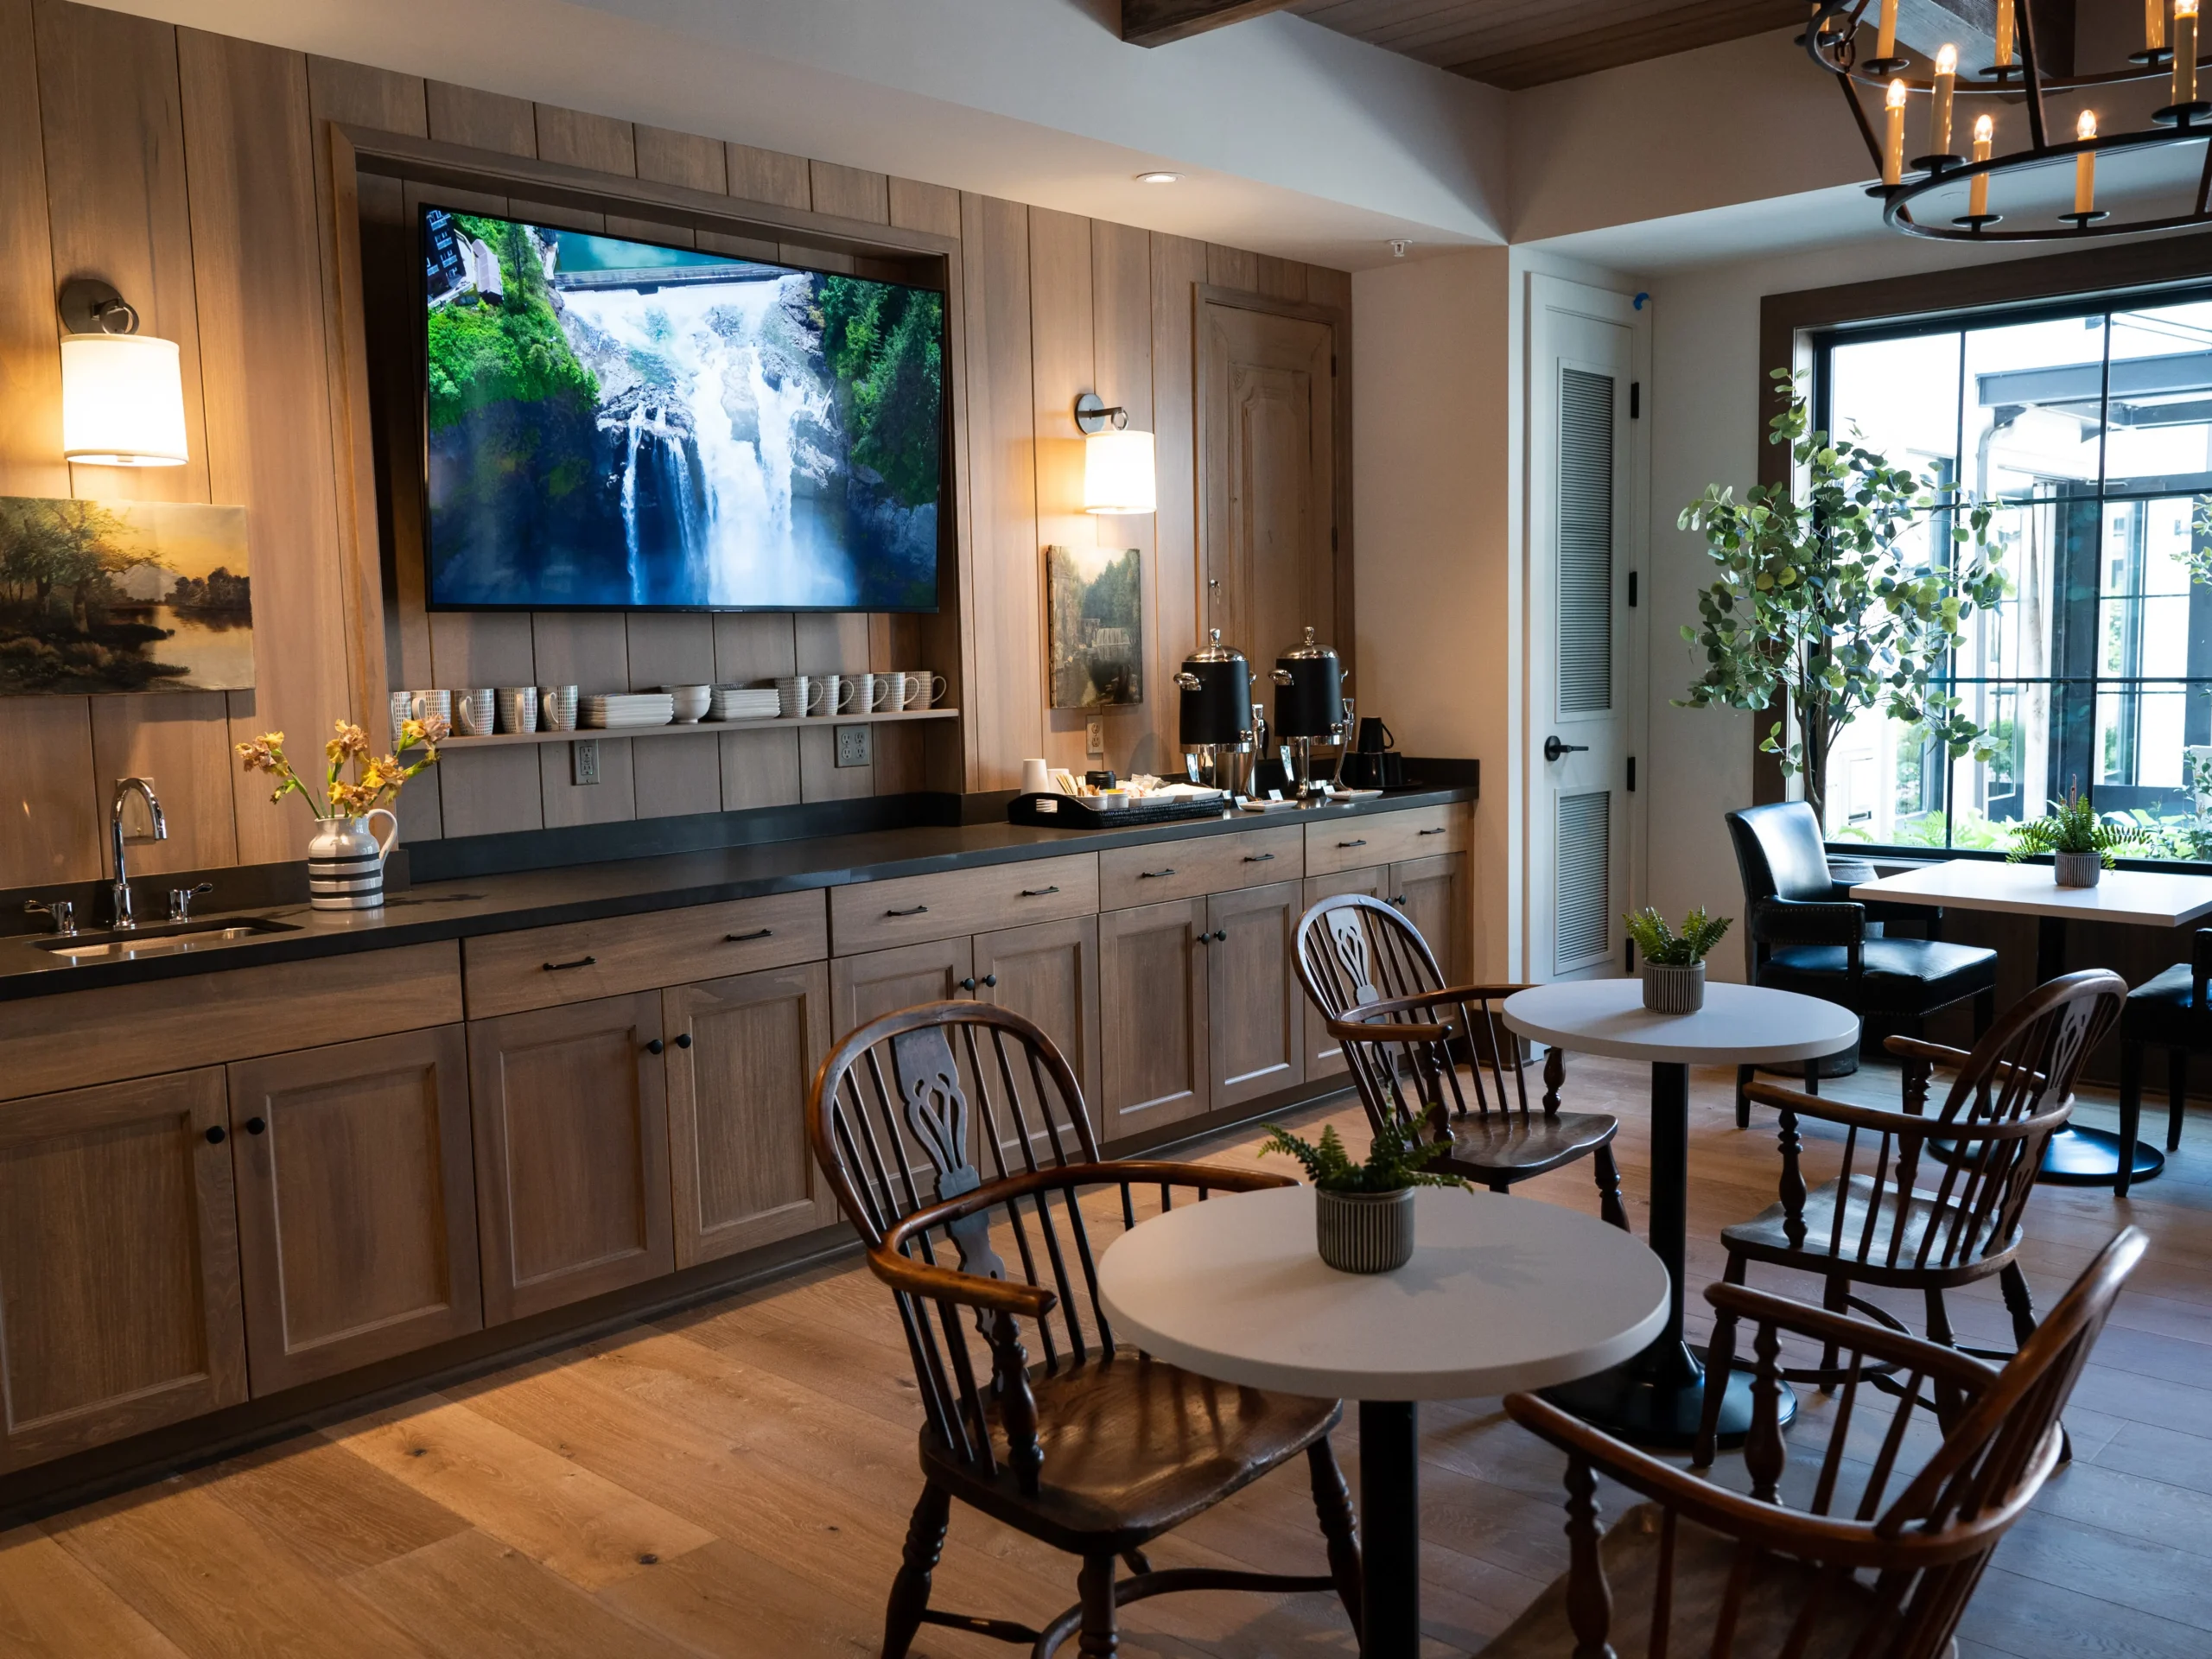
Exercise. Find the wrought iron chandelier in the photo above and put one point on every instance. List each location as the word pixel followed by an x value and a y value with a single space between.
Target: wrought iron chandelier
pixel 2015 89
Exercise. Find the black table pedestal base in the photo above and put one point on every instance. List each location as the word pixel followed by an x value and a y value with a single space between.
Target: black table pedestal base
pixel 1390 1525
pixel 1657 1406
pixel 2078 1157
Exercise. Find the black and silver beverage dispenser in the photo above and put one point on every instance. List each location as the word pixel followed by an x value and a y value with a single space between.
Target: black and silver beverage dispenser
pixel 1309 700
pixel 1215 722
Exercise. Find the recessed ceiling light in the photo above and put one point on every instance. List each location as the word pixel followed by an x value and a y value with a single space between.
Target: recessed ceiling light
pixel 1158 178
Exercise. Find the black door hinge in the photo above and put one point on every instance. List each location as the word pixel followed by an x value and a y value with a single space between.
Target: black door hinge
pixel 1631 774
pixel 1636 400
pixel 1632 590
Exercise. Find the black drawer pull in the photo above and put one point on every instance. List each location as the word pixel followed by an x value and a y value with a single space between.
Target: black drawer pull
pixel 256 1125
pixel 655 1047
pixel 1147 875
pixel 217 1135
pixel 747 938
pixel 991 980
pixel 1441 829
pixel 919 910
pixel 1259 858
pixel 563 967
pixel 1352 843
pixel 683 1039
pixel 1039 892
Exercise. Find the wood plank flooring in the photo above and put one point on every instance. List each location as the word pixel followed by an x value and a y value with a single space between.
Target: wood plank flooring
pixel 735 1481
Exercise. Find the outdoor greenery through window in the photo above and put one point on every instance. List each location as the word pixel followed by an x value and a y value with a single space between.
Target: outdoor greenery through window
pixel 2090 429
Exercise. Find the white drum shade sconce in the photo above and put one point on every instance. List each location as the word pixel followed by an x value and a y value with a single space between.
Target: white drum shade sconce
pixel 1117 463
pixel 122 392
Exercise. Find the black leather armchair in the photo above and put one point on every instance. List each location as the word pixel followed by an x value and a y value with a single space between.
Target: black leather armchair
pixel 1806 935
pixel 2170 1012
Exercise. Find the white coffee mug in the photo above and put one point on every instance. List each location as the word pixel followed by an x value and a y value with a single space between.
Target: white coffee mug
pixel 871 693
pixel 838 691
pixel 558 703
pixel 420 705
pixel 797 696
pixel 894 696
pixel 923 688
pixel 517 708
pixel 474 711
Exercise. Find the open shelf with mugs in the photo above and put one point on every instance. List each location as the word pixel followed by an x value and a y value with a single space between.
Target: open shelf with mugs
pixel 457 744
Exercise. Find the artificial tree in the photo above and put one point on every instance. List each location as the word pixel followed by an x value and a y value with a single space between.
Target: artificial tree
pixel 1818 606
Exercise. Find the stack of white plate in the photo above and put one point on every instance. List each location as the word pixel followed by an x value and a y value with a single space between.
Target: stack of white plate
pixel 744 702
pixel 620 709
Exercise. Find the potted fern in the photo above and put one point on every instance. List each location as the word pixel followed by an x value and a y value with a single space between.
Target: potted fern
pixel 1674 964
pixel 1364 1213
pixel 2080 844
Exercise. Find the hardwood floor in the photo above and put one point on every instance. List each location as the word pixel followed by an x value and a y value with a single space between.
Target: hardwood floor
pixel 735 1481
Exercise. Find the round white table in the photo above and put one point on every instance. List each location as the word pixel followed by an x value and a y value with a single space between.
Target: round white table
pixel 1658 1397
pixel 1500 1293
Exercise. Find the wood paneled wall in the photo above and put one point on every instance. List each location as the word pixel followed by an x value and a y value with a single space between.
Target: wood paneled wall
pixel 191 170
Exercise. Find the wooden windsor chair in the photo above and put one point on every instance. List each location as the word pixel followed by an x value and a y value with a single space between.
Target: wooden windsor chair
pixel 1874 1224
pixel 1699 1568
pixel 955 1137
pixel 1437 1058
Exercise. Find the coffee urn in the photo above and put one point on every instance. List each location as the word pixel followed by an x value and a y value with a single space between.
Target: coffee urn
pixel 1309 702
pixel 1214 720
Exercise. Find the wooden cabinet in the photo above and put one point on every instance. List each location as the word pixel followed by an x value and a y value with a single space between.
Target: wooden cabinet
pixel 1254 1006
pixel 1358 840
pixel 118 1262
pixel 1433 893
pixel 1152 973
pixel 741 1057
pixel 356 1203
pixel 954 904
pixel 571 1131
pixel 1153 873
pixel 882 982
pixel 1049 974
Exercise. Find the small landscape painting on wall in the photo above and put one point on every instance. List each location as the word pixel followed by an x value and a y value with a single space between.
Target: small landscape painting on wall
pixel 106 596
pixel 1097 599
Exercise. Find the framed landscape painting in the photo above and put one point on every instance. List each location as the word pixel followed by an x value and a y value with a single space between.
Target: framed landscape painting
pixel 1097 602
pixel 123 596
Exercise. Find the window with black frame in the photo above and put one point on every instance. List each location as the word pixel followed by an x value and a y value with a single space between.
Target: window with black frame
pixel 2090 427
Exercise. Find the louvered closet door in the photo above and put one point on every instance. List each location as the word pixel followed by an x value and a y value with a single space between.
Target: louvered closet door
pixel 1580 682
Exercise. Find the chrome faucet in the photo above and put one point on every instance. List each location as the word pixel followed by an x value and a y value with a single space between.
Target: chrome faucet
pixel 124 788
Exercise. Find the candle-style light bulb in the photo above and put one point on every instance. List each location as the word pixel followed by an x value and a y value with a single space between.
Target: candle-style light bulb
pixel 2005 32
pixel 1939 107
pixel 2085 165
pixel 1893 137
pixel 2184 53
pixel 2154 23
pixel 1885 38
pixel 1984 130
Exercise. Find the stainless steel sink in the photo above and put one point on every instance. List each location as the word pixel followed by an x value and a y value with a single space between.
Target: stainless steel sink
pixel 163 939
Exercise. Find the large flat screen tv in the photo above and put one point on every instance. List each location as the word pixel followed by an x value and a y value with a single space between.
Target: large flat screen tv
pixel 619 424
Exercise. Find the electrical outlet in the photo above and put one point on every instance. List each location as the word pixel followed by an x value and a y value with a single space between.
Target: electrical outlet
pixel 1094 737
pixel 852 745
pixel 583 761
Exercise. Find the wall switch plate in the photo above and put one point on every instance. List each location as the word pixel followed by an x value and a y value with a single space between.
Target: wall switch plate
pixel 1094 737
pixel 583 761
pixel 852 745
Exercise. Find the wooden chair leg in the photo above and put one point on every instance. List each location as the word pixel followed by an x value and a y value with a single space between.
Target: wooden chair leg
pixel 1101 1637
pixel 1743 1076
pixel 1608 1173
pixel 2176 1095
pixel 1835 1300
pixel 910 1589
pixel 1339 1525
pixel 1719 1355
pixel 2131 1113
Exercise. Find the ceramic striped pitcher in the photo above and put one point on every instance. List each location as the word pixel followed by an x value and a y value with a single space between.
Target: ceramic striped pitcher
pixel 346 861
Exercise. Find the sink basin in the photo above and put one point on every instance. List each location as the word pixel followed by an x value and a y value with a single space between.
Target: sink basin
pixel 160 939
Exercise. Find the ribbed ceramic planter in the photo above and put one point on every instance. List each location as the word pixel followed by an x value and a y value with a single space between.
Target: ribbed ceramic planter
pixel 2077 869
pixel 1365 1232
pixel 1673 988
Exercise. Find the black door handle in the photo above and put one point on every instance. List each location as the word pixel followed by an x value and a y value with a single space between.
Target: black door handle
pixel 1150 875
pixel 683 1039
pixel 217 1135
pixel 747 938
pixel 256 1125
pixel 655 1047
pixel 1554 748
pixel 1039 892
pixel 563 967
pixel 919 910
pixel 1259 858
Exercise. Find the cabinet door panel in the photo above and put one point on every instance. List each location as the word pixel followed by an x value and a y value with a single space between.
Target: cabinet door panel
pixel 882 982
pixel 744 1175
pixel 1433 893
pixel 1324 1056
pixel 118 1259
pixel 1049 974
pixel 1256 1008
pixel 1152 1016
pixel 571 1125
pixel 357 1202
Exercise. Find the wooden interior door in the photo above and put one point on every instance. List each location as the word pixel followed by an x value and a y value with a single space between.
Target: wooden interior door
pixel 1434 895
pixel 1325 1055
pixel 1048 973
pixel 742 1056
pixel 1267 480
pixel 119 1258
pixel 571 1120
pixel 357 1202
pixel 1256 1008
pixel 1152 1016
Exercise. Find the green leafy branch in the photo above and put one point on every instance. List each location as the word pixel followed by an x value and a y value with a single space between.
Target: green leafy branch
pixel 1397 1159
pixel 1657 943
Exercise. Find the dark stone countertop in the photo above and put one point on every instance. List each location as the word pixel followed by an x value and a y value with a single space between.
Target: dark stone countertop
pixel 541 898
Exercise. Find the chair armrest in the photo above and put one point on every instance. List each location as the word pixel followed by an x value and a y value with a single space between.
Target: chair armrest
pixel 1371 1031
pixel 951 1285
pixel 1881 1120
pixel 1913 1048
pixel 1806 921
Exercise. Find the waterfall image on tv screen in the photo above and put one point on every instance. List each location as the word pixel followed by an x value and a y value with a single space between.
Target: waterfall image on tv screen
pixel 619 424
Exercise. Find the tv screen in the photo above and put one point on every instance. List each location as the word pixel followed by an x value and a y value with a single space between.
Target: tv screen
pixel 619 424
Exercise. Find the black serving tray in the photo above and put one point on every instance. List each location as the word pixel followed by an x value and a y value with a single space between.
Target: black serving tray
pixel 1057 811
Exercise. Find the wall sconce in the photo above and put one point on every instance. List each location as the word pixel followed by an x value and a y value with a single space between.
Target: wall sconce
pixel 122 392
pixel 1117 463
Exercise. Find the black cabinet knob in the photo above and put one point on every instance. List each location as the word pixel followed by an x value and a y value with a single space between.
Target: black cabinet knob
pixel 683 1039
pixel 256 1125
pixel 655 1047
pixel 217 1135
pixel 991 980
pixel 1219 934
pixel 969 983
pixel 1399 900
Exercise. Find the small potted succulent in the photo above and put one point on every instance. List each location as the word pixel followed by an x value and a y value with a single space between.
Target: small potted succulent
pixel 1364 1213
pixel 2080 844
pixel 1674 964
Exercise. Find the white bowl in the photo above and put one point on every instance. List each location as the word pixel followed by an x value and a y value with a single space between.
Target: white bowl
pixel 692 702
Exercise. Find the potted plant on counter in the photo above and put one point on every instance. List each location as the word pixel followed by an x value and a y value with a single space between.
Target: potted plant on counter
pixel 1364 1213
pixel 2080 844
pixel 1674 964
pixel 345 857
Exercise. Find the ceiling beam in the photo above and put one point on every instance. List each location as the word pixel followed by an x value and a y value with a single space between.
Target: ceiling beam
pixel 1156 22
